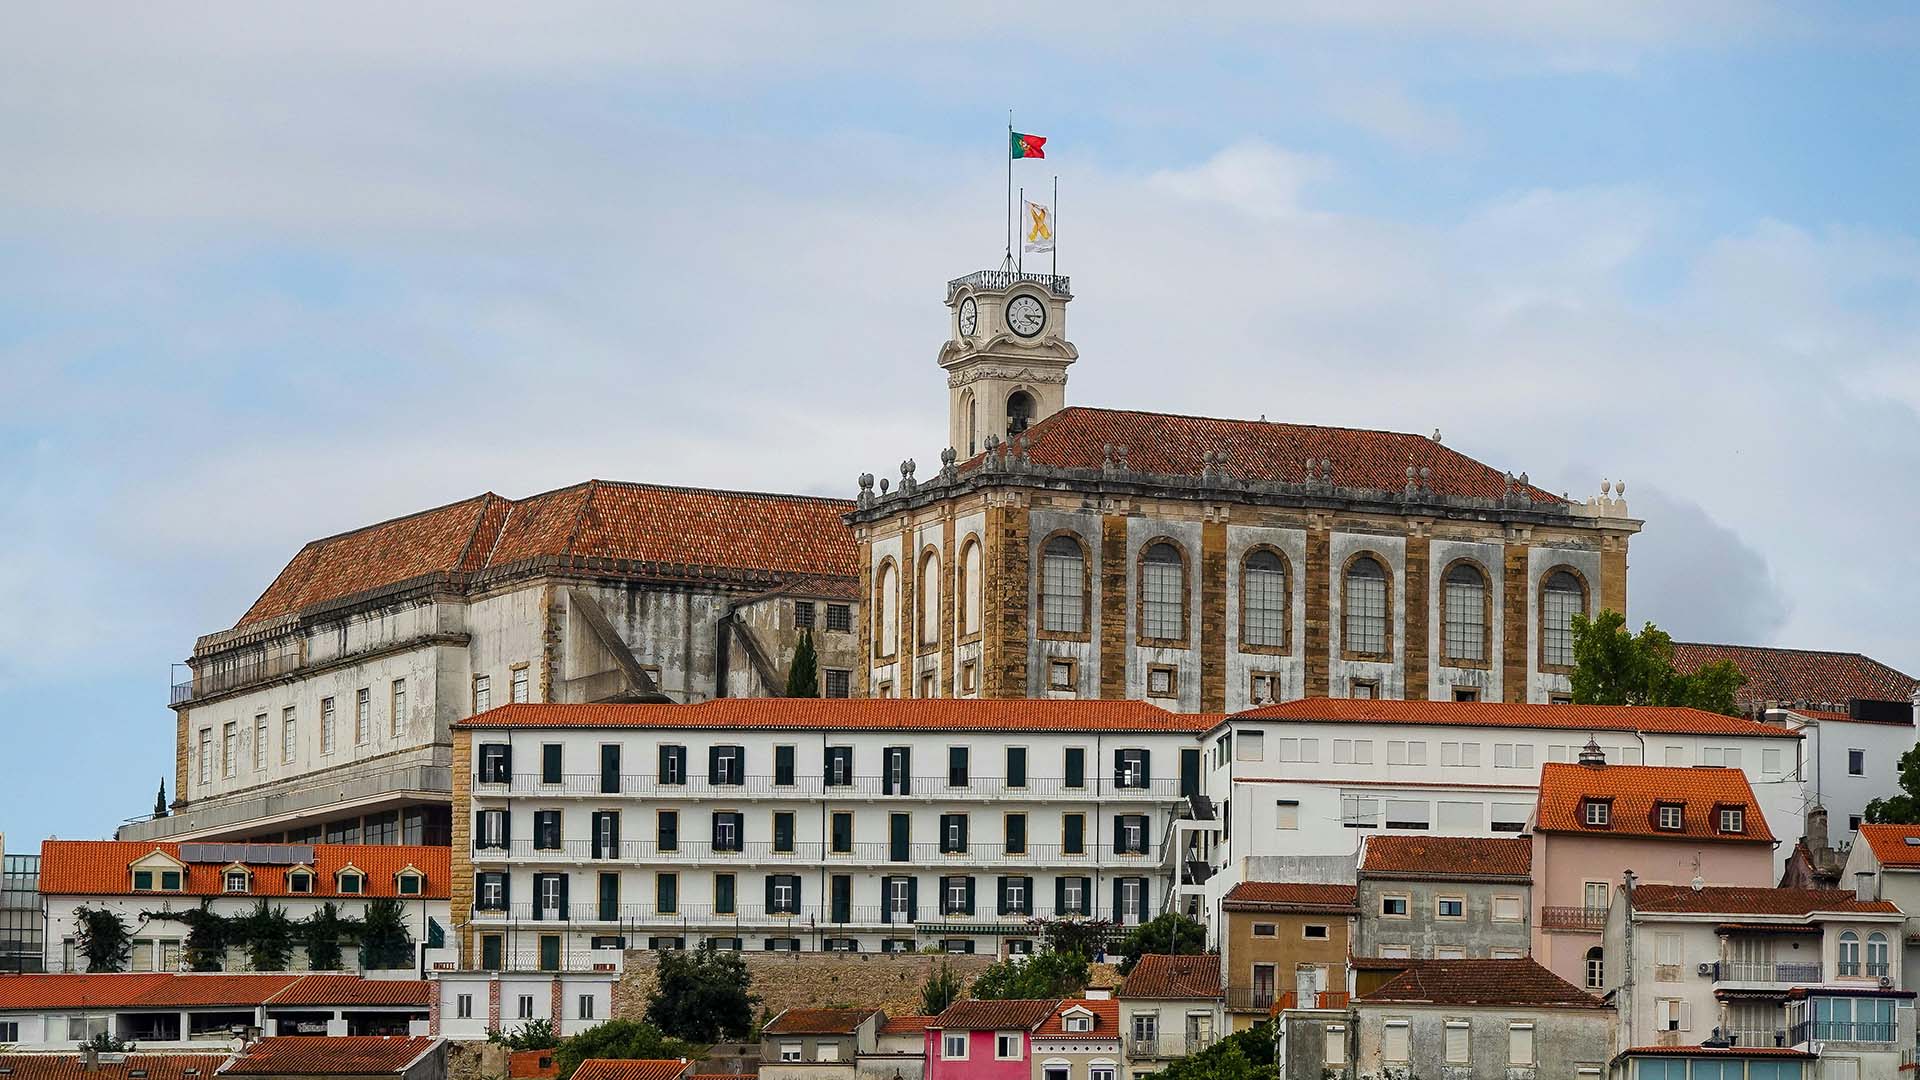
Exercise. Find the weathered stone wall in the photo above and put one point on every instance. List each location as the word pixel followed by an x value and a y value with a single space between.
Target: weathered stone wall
pixel 813 980
pixel 475 1059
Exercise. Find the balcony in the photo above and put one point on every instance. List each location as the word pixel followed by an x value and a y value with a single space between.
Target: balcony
pixel 650 918
pixel 1266 999
pixel 1168 1046
pixel 918 858
pixel 1766 971
pixel 815 788
pixel 1762 1037
pixel 329 788
pixel 225 677
pixel 1869 1031
pixel 1587 919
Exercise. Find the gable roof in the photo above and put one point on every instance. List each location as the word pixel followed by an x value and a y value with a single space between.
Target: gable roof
pixel 330 1055
pixel 1734 900
pixel 851 714
pixel 677 533
pixel 1173 977
pixel 1634 790
pixel 907 1024
pixel 1507 983
pixel 1018 1014
pixel 134 1066
pixel 636 1069
pixel 163 990
pixel 1450 857
pixel 102 868
pixel 1106 1020
pixel 1890 845
pixel 1506 714
pixel 1812 676
pixel 818 1021
pixel 1286 896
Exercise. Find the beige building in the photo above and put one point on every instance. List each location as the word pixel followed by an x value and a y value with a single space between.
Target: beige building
pixel 1284 945
pixel 1207 564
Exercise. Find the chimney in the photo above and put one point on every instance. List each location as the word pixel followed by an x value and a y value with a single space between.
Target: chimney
pixel 1816 829
pixel 89 1060
pixel 1097 993
pixel 1864 886
pixel 1591 755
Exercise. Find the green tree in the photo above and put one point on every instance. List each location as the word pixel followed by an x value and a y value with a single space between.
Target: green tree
pixel 621 1039
pixel 803 675
pixel 1904 808
pixel 702 996
pixel 321 934
pixel 1171 934
pixel 1045 974
pixel 160 800
pixel 1615 667
pixel 208 934
pixel 1082 937
pixel 268 935
pixel 941 989
pixel 535 1034
pixel 1247 1055
pixel 106 1042
pixel 102 936
pixel 385 941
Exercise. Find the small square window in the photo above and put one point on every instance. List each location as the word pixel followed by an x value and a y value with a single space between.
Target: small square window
pixel 1006 1046
pixel 838 682
pixel 1162 681
pixel 1314 932
pixel 1597 813
pixel 236 881
pixel 1669 816
pixel 1450 907
pixel 1733 819
pixel 839 617
pixel 143 880
pixel 1265 929
pixel 409 884
pixel 1060 675
pixel 1364 688
pixel 1393 907
pixel 953 1046
pixel 299 882
pixel 803 614
pixel 1466 693
pixel 1263 688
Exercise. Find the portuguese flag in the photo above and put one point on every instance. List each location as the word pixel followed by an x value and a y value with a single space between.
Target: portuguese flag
pixel 1026 146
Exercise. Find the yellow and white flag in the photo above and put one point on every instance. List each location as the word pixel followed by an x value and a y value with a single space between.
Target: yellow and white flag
pixel 1037 235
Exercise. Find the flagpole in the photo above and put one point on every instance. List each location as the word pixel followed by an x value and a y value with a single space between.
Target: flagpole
pixel 1020 267
pixel 1008 150
pixel 1056 225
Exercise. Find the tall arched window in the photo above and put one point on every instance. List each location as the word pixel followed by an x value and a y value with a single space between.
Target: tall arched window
pixel 1365 607
pixel 1849 953
pixel 1063 586
pixel 967 589
pixel 1263 599
pixel 929 598
pixel 1163 592
pixel 1596 969
pixel 970 409
pixel 886 620
pixel 1466 613
pixel 1561 595
pixel 1877 954
pixel 1020 409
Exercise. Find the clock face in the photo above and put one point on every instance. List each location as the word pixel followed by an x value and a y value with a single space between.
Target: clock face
pixel 1025 316
pixel 969 317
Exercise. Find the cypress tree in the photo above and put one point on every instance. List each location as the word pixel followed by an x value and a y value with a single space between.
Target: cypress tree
pixel 803 675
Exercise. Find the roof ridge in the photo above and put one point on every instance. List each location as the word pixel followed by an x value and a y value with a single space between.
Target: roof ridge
pixel 396 519
pixel 579 517
pixel 1244 420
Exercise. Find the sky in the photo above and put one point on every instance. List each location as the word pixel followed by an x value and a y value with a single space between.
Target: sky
pixel 270 272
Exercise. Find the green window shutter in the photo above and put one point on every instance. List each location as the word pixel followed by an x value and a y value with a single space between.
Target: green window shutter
pixel 1016 766
pixel 1076 767
pixel 723 894
pixel 970 909
pixel 550 763
pixel 783 766
pixel 956 766
pixel 610 769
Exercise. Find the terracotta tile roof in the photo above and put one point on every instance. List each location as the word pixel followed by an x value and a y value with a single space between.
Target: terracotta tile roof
pixel 818 1021
pixel 678 533
pixel 1717 1051
pixel 1733 900
pixel 1890 846
pixel 32 993
pixel 1106 1020
pixel 910 1024
pixel 1176 977
pixel 1020 1014
pixel 1260 450
pixel 36 993
pixel 635 1069
pixel 851 714
pixel 1645 718
pixel 1290 896
pixel 1811 676
pixel 1481 982
pixel 330 1055
pixel 1634 791
pixel 1448 856
pixel 137 1066
pixel 322 989
pixel 103 868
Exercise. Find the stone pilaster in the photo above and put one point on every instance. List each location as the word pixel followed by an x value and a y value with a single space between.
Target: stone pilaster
pixel 1005 619
pixel 1418 574
pixel 493 1003
pixel 1213 616
pixel 1613 574
pixel 906 621
pixel 863 686
pixel 1319 605
pixel 1513 598
pixel 949 604
pixel 460 887
pixel 1111 621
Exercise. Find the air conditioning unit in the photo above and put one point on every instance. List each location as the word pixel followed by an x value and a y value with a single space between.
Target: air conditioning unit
pixel 1706 968
pixel 1886 982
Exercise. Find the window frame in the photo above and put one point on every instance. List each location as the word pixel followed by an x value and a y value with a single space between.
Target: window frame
pixel 928 628
pixel 1387 639
pixel 1085 633
pixel 1584 607
pixel 1487 637
pixel 1284 645
pixel 1185 587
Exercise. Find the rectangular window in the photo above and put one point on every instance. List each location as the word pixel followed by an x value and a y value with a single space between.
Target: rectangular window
pixel 953 1046
pixel 585 1006
pixel 229 749
pixel 398 722
pixel 1162 681
pixel 1263 687
pixel 289 734
pixel 839 682
pixel 1510 817
pixel 790 1051
pixel 783 832
pixel 666 891
pixel 1506 909
pixel 546 830
pixel 518 690
pixel 673 765
pixel 723 894
pixel 1006 1046
pixel 1076 767
pixel 1336 1042
pixel 1732 819
pixel 1060 675
pixel 496 763
pixel 482 693
pixel 969 679
pixel 260 743
pixel 1016 766
pixel 1669 816
pixel 1408 814
pixel 842 839
pixel 1450 907
pixel 1597 813
pixel 1359 812
pixel 839 768
pixel 1394 907
pixel 1314 932
pixel 1457 1042
pixel 803 614
pixel 957 766
pixel 668 834
pixel 1856 763
pixel 839 617
pixel 1364 688
pixel 362 716
pixel 1286 814
pixel 550 763
pixel 1016 834
pixel 727 765
pixel 1393 1041
pixel 1519 1044
pixel 783 766
pixel 463 1006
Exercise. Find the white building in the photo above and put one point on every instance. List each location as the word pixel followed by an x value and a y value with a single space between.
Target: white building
pixel 469 1004
pixel 1852 758
pixel 213 1012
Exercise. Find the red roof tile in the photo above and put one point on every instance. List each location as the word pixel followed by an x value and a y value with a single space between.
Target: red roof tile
pixel 34 993
pixel 911 1024
pixel 1737 900
pixel 1890 846
pixel 330 1055
pixel 673 532
pixel 818 1021
pixel 322 989
pixel 1481 982
pixel 1175 977
pixel 103 868
pixel 1448 856
pixel 1646 718
pixel 1290 896
pixel 1718 1051
pixel 635 1069
pixel 1636 789
pixel 1800 675
pixel 1019 1014
pixel 149 1066
pixel 1106 1020
pixel 852 714
pixel 1263 451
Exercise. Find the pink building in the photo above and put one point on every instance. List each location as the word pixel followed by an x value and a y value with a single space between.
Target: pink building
pixel 1669 825
pixel 985 1040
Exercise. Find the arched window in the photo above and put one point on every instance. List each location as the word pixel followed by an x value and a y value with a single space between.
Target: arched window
pixel 886 620
pixel 929 598
pixel 1560 597
pixel 970 410
pixel 1466 613
pixel 1849 953
pixel 968 590
pixel 1063 586
pixel 1596 969
pixel 1365 607
pixel 1020 409
pixel 1877 954
pixel 1163 592
pixel 1263 599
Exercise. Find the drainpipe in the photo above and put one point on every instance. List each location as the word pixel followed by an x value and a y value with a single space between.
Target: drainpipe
pixel 1626 947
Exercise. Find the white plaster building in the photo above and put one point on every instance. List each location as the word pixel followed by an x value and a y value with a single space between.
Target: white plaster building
pixel 469 1004
pixel 203 1011
pixel 1853 758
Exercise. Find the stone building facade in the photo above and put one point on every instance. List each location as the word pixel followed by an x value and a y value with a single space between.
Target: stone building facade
pixel 1445 898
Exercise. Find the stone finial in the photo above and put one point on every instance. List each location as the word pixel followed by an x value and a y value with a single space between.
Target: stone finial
pixel 1524 481
pixel 993 443
pixel 1120 457
pixel 866 491
pixel 1326 470
pixel 1106 456
pixel 907 483
pixel 1412 487
pixel 1436 435
pixel 1426 478
pixel 949 465
pixel 883 487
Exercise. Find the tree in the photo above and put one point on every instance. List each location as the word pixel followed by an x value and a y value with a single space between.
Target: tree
pixel 385 941
pixel 1045 974
pixel 1170 934
pixel 321 934
pixel 1614 667
pixel 101 935
pixel 268 934
pixel 1082 937
pixel 1904 808
pixel 941 989
pixel 106 1042
pixel 1247 1055
pixel 701 996
pixel 160 800
pixel 535 1034
pixel 622 1039
pixel 803 675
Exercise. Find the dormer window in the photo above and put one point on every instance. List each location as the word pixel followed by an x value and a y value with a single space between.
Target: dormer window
pixel 409 882
pixel 1079 1024
pixel 236 880
pixel 299 881
pixel 169 881
pixel 157 872
pixel 1669 817
pixel 1733 819
pixel 1596 813
pixel 351 882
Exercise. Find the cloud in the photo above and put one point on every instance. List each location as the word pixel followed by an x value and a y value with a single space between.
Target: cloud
pixel 1696 578
pixel 1385 111
pixel 1251 177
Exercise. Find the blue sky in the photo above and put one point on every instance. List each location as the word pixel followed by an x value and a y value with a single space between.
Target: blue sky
pixel 266 276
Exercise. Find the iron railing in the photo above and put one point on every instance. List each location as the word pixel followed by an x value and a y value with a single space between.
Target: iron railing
pixel 223 677
pixel 986 918
pixel 1573 918
pixel 814 788
pixel 998 280
pixel 1053 858
pixel 1873 1031
pixel 1768 971
pixel 1168 1046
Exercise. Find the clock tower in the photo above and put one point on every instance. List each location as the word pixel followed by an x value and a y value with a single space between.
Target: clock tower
pixel 1007 356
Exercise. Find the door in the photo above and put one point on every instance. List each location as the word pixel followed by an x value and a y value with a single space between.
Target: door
pixel 898 848
pixel 1595 900
pixel 1265 976
pixel 1199 1031
pixel 609 897
pixel 842 898
pixel 610 769
pixel 1189 772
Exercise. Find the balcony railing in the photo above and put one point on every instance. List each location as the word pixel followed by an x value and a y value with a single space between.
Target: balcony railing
pixel 1757 1036
pixel 652 918
pixel 1573 918
pixel 1168 1046
pixel 999 280
pixel 233 676
pixel 1268 1000
pixel 1766 971
pixel 913 858
pixel 1869 1031
pixel 814 788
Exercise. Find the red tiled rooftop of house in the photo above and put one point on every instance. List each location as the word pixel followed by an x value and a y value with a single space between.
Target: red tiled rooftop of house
pixel 909 1024
pixel 324 989
pixel 1105 1014
pixel 34 993
pixel 1290 896
pixel 105 868
pixel 670 531
pixel 1631 793
pixel 1520 982
pixel 134 1066
pixel 1020 1014
pixel 851 714
pixel 637 1069
pixel 1175 977
pixel 1815 677
pixel 818 1021
pixel 1691 1050
pixel 330 1055
pixel 1890 844
pixel 1644 718
pixel 1448 856
pixel 1737 900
